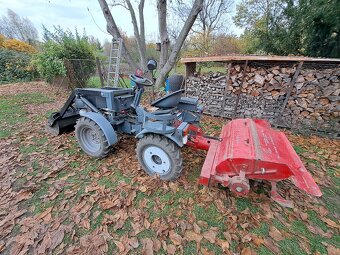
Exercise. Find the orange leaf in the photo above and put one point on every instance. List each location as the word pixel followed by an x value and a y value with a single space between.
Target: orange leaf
pixel 175 238
pixel 275 234
pixel 171 249
pixel 210 235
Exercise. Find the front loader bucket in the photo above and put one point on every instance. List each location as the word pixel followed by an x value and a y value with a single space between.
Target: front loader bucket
pixel 58 124
pixel 251 149
pixel 65 119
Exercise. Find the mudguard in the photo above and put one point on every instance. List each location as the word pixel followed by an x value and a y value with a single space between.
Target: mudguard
pixel 104 124
pixel 176 136
pixel 176 139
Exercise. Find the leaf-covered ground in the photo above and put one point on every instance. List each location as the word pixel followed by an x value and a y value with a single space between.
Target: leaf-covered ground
pixel 54 199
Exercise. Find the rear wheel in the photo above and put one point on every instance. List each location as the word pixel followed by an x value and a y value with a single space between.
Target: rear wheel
pixel 160 156
pixel 91 138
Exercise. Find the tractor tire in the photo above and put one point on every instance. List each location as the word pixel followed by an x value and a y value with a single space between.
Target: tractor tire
pixel 159 155
pixel 91 138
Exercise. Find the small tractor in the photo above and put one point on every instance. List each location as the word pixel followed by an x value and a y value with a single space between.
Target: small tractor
pixel 246 149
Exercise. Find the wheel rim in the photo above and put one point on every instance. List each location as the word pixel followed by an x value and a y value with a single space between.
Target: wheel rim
pixel 90 139
pixel 156 160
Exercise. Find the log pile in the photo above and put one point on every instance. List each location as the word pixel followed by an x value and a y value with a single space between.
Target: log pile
pixel 314 100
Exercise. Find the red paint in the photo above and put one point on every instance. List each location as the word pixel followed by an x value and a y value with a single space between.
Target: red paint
pixel 255 148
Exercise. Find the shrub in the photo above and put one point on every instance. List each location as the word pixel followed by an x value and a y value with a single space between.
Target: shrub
pixel 60 56
pixel 15 66
pixel 16 45
pixel 2 39
pixel 49 63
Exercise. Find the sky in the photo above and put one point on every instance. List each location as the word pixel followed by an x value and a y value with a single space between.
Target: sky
pixel 74 13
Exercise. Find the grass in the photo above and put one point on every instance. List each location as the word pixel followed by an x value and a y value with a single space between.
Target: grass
pixel 263 230
pixel 94 82
pixel 13 114
pixel 13 111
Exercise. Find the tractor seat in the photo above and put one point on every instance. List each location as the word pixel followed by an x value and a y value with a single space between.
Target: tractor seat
pixel 168 101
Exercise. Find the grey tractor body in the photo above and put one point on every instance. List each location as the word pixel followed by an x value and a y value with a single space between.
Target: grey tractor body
pixel 100 115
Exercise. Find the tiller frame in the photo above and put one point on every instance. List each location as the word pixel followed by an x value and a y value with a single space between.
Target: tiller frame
pixel 251 149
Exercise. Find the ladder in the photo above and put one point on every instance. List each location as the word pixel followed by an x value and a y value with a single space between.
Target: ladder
pixel 114 63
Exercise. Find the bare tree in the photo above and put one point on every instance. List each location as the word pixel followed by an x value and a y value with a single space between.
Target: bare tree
pixel 167 59
pixel 211 19
pixel 13 26
pixel 163 31
pixel 138 27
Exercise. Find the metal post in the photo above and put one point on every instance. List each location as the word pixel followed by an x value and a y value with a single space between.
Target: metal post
pixel 190 68
pixel 100 72
pixel 226 87
pixel 239 90
pixel 82 71
pixel 289 91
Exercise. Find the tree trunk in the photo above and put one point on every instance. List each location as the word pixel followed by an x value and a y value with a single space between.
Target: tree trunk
pixel 139 35
pixel 163 32
pixel 196 8
pixel 142 31
pixel 114 31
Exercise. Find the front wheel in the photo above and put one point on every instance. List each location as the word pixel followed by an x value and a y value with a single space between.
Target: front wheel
pixel 91 138
pixel 160 156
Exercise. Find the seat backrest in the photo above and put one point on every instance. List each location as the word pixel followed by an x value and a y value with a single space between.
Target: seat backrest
pixel 175 82
pixel 168 101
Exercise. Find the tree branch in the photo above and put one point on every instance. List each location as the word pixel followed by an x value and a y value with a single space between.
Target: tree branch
pixel 163 32
pixel 139 40
pixel 196 8
pixel 114 31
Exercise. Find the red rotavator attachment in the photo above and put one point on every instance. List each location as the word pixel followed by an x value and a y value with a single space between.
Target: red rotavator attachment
pixel 251 149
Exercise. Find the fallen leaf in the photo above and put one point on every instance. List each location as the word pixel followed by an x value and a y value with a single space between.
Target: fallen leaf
pixel 303 215
pixel 57 237
pixel 120 246
pixel 171 249
pixel 107 204
pixel 210 235
pixel 223 244
pixel 275 234
pixel 271 246
pixel 193 236
pixel 331 250
pixel 46 216
pixel 330 222
pixel 142 189
pixel 257 240
pixel 246 251
pixel 227 236
pixel 175 238
pixel 2 245
pixel 305 246
pixel 156 245
pixel 133 242
pixel 23 195
pixel 147 246
pixel 45 244
pixel 86 223
pixel 146 224
pixel 207 252
pixel 197 229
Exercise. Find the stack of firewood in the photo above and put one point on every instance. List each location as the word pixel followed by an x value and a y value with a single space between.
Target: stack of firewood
pixel 314 98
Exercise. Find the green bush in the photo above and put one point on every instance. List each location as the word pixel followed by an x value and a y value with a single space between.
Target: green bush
pixel 66 54
pixel 15 66
pixel 49 63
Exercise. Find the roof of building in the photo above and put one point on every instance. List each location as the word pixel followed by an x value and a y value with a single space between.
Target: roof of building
pixel 268 58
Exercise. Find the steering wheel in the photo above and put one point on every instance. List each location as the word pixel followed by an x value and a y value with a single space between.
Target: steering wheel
pixel 140 80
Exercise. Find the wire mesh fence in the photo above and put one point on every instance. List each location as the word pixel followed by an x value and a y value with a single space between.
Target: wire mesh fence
pixel 90 73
